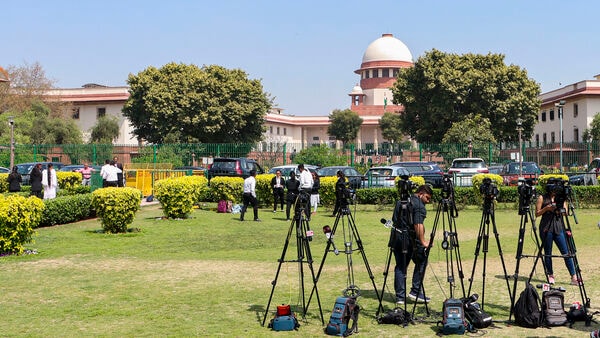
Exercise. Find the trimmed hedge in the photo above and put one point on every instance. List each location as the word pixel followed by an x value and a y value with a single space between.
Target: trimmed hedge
pixel 227 188
pixel 67 209
pixel 177 195
pixel 116 207
pixel 18 218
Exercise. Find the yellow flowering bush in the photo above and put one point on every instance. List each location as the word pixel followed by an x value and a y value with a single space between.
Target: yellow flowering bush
pixel 18 218
pixel 116 207
pixel 227 188
pixel 177 195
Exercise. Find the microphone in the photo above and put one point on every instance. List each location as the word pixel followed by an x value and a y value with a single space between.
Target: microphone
pixel 327 232
pixel 388 222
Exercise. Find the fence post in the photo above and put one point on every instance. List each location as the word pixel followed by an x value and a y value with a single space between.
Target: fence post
pixel 154 150
pixel 94 155
pixel 35 150
pixel 352 154
pixel 490 152
pixel 420 152
pixel 284 153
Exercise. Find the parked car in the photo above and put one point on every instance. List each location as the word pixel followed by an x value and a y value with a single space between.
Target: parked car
pixel 76 167
pixel 25 169
pixel 510 172
pixel 495 169
pixel 234 167
pixel 594 166
pixel 287 169
pixel 354 177
pixel 463 169
pixel 430 171
pixel 383 176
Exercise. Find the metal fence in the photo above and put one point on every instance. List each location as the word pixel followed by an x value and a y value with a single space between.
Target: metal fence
pixel 575 156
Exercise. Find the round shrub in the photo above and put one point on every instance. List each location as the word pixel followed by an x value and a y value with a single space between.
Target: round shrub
pixel 18 218
pixel 177 195
pixel 116 207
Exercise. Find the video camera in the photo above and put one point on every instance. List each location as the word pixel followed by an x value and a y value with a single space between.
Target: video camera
pixel 526 191
pixel 488 189
pixel 406 187
pixel 447 186
pixel 562 191
pixel 346 195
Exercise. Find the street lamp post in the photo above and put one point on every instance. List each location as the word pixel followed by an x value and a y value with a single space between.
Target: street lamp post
pixel 470 146
pixel 11 122
pixel 560 106
pixel 520 129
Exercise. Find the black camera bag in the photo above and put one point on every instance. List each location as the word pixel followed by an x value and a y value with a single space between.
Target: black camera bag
pixel 478 318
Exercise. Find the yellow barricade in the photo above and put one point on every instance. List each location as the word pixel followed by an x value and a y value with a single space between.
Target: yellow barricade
pixel 143 179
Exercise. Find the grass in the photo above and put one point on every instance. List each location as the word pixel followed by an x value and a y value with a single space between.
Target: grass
pixel 210 275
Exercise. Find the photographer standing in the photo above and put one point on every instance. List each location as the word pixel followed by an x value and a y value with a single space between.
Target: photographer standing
pixel 306 184
pixel 410 222
pixel 552 230
pixel 340 187
pixel 293 189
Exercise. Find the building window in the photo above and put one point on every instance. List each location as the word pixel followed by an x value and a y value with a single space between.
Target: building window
pixel 395 72
pixel 575 110
pixel 271 129
pixel 552 137
pixel 552 115
pixel 544 116
pixel 76 113
pixel 367 74
pixel 575 134
pixel 356 100
pixel 385 72
pixel 375 73
pixel 284 131
pixel 544 139
pixel 315 138
pixel 331 138
pixel 100 112
pixel 277 130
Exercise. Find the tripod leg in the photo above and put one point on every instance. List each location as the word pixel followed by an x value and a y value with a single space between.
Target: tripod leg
pixel 572 252
pixel 484 217
pixel 497 236
pixel 281 260
pixel 309 261
pixel 518 258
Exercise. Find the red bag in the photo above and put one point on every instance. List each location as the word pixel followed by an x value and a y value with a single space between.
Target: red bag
pixel 222 206
pixel 284 310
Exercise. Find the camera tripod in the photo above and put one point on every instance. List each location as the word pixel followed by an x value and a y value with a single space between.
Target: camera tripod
pixel 303 237
pixel 350 233
pixel 487 216
pixel 571 248
pixel 526 217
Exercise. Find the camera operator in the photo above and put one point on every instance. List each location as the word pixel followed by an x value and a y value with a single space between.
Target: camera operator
pixel 340 188
pixel 306 184
pixel 293 189
pixel 416 244
pixel 552 229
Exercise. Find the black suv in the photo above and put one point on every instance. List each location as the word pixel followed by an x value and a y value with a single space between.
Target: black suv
pixel 25 169
pixel 430 171
pixel 233 167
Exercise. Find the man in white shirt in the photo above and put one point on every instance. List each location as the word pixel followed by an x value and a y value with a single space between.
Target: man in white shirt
pixel 249 196
pixel 306 184
pixel 110 174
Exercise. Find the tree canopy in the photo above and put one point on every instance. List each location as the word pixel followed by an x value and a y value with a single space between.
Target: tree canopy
pixel 444 88
pixel 344 125
pixel 185 103
pixel 105 130
pixel 593 130
pixel 391 127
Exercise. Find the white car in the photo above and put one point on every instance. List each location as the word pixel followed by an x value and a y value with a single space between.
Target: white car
pixel 383 176
pixel 463 169
pixel 287 169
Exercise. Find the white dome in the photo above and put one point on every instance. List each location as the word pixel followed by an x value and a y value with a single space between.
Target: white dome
pixel 356 90
pixel 387 48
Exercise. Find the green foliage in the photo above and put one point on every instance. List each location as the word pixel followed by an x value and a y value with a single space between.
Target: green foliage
pixel 177 195
pixel 443 88
pixel 594 129
pixel 160 154
pixel 321 155
pixel 67 209
pixel 187 104
pixel 391 127
pixel 18 217
pixel 377 196
pixel 344 125
pixel 73 190
pixel 476 128
pixel 3 183
pixel 116 207
pixel 227 188
pixel 264 192
pixel 106 130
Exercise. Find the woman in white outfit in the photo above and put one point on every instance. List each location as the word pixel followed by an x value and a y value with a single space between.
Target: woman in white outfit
pixel 50 182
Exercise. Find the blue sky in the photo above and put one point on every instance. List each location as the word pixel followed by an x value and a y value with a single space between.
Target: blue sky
pixel 305 52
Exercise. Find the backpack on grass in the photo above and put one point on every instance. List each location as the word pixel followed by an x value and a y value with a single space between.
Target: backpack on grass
pixel 453 321
pixel 478 318
pixel 285 319
pixel 553 307
pixel 344 310
pixel 527 308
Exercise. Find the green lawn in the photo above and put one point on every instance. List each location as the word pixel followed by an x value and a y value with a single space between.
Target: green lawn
pixel 210 275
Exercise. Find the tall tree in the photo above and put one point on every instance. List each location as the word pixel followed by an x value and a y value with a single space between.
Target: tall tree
pixel 444 88
pixel 593 130
pixel 344 125
pixel 106 130
pixel 185 103
pixel 391 127
pixel 474 128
